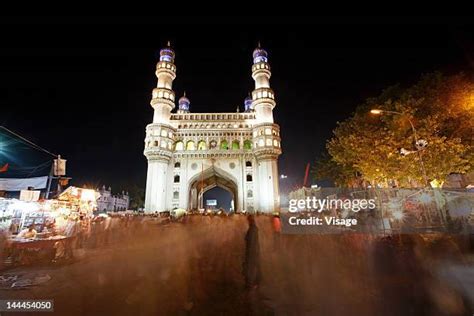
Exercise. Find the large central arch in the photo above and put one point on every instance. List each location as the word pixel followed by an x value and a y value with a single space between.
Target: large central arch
pixel 207 180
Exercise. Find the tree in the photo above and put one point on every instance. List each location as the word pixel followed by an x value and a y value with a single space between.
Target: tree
pixel 441 109
pixel 325 168
pixel 137 197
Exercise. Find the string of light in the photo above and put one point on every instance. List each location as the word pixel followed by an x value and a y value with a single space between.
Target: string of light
pixel 28 142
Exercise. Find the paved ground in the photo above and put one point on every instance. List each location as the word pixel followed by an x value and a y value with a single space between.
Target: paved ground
pixel 195 268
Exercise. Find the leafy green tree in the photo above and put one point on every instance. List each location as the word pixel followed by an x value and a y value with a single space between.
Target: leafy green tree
pixel 326 169
pixel 442 111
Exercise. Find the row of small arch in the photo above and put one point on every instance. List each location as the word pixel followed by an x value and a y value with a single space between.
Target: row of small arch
pixel 215 116
pixel 202 145
pixel 224 145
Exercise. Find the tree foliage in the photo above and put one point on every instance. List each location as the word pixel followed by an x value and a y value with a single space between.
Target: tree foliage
pixel 442 111
pixel 325 168
pixel 137 197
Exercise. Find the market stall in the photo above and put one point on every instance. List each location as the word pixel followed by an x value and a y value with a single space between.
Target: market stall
pixel 46 229
pixel 80 201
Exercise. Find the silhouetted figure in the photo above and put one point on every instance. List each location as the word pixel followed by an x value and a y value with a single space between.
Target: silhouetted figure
pixel 251 266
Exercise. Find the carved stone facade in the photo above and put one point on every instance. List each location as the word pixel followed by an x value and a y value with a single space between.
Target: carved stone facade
pixel 190 153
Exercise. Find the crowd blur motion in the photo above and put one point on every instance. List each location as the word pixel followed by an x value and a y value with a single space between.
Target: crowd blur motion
pixel 238 264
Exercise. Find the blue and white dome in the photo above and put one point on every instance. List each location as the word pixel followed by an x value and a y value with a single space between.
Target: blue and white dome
pixel 260 55
pixel 183 103
pixel 167 54
pixel 248 104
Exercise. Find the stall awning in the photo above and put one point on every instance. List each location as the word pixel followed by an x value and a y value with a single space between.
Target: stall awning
pixel 9 184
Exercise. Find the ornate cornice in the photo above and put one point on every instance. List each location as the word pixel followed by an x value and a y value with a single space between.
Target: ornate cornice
pixel 157 154
pixel 270 153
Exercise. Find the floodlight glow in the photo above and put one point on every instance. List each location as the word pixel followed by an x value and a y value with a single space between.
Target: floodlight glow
pixel 376 111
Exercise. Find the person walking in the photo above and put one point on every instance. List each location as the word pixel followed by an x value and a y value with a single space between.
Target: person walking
pixel 251 265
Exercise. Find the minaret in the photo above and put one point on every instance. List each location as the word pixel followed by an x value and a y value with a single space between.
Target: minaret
pixel 183 104
pixel 266 134
pixel 159 134
pixel 163 94
pixel 263 97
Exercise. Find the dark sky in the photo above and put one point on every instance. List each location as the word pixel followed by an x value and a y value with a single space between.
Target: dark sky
pixel 82 88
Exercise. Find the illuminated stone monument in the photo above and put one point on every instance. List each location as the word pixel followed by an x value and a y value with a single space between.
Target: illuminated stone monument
pixel 191 153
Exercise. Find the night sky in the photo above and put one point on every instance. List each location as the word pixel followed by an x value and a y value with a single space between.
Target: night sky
pixel 82 89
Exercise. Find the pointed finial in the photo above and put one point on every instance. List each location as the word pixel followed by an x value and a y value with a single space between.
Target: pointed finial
pixel 184 94
pixel 238 110
pixel 168 44
pixel 258 44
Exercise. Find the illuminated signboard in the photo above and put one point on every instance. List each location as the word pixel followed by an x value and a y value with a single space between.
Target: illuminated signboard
pixel 211 202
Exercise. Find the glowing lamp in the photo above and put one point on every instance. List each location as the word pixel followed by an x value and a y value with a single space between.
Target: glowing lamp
pixel 376 111
pixel 88 195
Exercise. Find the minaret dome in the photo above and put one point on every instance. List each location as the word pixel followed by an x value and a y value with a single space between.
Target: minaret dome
pixel 259 55
pixel 248 103
pixel 183 103
pixel 167 54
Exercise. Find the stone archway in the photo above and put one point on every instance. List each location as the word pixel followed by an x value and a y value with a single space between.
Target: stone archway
pixel 207 180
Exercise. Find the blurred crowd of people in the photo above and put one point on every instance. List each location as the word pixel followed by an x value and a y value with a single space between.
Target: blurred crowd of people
pixel 200 258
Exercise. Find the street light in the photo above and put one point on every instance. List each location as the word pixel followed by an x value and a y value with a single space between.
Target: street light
pixel 376 111
pixel 380 112
pixel 419 144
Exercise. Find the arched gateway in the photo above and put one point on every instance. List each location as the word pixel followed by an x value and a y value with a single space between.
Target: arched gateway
pixel 208 179
pixel 191 153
